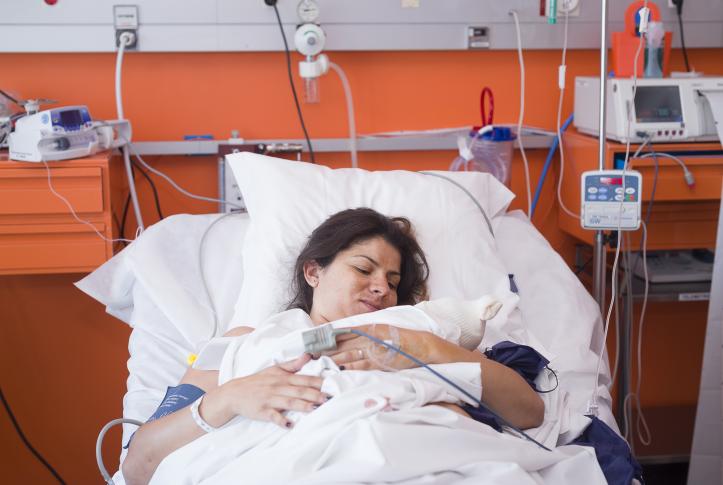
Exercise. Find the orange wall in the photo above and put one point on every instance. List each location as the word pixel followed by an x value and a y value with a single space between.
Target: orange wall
pixel 63 362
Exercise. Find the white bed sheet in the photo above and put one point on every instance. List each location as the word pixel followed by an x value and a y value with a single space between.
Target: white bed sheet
pixel 154 286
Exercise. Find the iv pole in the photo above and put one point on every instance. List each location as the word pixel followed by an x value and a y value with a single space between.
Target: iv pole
pixel 598 272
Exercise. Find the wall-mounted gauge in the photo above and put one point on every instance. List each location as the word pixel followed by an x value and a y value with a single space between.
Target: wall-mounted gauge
pixel 308 11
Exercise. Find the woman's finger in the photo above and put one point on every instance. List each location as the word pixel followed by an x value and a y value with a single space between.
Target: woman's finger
pixel 305 381
pixel 286 403
pixel 277 418
pixel 296 364
pixel 313 396
pixel 364 364
pixel 347 356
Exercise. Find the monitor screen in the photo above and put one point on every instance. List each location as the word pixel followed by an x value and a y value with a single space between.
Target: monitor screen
pixel 71 118
pixel 658 104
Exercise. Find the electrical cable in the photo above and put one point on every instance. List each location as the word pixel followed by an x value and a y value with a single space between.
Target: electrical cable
pixel 153 188
pixel 476 202
pixel 10 97
pixel 291 82
pixel 522 112
pixel 679 10
pixel 72 211
pixel 25 441
pixel 123 220
pixel 579 269
pixel 99 446
pixel 349 111
pixel 445 379
pixel 178 187
pixel 561 84
pixel 126 38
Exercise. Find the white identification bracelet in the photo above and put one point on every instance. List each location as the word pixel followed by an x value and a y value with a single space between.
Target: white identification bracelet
pixel 197 416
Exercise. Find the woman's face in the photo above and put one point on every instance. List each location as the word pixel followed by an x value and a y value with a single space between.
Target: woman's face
pixel 360 279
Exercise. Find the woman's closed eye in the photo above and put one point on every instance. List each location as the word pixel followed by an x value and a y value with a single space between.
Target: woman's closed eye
pixel 363 271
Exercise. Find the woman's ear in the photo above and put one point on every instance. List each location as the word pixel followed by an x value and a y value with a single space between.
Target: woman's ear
pixel 311 273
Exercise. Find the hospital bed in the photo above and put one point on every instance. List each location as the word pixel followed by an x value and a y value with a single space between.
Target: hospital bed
pixel 181 282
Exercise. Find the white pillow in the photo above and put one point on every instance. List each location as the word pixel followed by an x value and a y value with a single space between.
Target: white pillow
pixel 287 200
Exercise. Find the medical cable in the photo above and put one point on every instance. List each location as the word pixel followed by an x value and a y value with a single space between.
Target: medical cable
pixel 204 283
pixel 460 186
pixel 349 112
pixel 442 377
pixel 72 211
pixel 25 441
pixel 99 445
pixel 548 163
pixel 522 112
pixel 561 76
pixel 179 188
pixel 125 39
pixel 291 81
pixel 593 407
pixel 687 174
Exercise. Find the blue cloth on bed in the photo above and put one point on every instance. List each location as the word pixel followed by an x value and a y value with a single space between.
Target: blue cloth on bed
pixel 524 360
pixel 176 398
pixel 612 452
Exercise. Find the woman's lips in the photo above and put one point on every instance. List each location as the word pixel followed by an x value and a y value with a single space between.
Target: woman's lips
pixel 372 307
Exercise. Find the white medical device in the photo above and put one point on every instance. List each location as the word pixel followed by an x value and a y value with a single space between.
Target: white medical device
pixel 665 109
pixel 64 133
pixel 609 201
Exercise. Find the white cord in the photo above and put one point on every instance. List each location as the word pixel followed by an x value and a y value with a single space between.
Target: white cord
pixel 179 188
pixel 126 38
pixel 522 111
pixel 641 417
pixel 617 249
pixel 349 112
pixel 561 84
pixel 72 211
pixel 687 174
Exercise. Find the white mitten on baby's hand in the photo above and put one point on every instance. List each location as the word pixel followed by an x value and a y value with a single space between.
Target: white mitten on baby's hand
pixel 470 316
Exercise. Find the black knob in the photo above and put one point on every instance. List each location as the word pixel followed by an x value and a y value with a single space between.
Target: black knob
pixel 62 144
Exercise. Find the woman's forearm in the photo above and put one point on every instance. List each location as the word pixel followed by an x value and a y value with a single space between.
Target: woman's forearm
pixel 503 390
pixel 156 440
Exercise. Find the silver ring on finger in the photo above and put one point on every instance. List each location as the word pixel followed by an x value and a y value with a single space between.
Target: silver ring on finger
pixel 361 353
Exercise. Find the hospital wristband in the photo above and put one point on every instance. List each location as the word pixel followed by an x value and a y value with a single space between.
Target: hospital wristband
pixel 197 416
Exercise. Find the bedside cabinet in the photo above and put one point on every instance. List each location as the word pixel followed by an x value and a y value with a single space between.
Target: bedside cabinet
pixel 38 233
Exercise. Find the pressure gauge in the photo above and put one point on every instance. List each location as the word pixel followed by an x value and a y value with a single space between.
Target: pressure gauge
pixel 308 11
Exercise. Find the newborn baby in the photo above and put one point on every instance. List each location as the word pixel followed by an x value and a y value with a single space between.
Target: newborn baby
pixel 279 339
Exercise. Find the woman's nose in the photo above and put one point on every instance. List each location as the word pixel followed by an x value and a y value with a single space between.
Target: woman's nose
pixel 379 286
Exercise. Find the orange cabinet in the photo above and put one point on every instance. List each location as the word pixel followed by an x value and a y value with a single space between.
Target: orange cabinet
pixel 681 217
pixel 38 232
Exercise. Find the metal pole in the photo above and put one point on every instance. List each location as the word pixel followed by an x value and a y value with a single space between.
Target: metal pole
pixel 598 272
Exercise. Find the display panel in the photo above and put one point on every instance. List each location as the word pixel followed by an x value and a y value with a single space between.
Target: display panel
pixel 71 118
pixel 658 104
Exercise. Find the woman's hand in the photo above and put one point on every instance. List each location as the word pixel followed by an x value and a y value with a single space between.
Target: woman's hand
pixel 266 395
pixel 357 352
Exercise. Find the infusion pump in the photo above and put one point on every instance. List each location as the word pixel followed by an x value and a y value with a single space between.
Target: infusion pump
pixel 611 199
pixel 664 109
pixel 64 133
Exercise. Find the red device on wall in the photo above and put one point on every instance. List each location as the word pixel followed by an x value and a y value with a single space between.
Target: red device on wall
pixel 625 44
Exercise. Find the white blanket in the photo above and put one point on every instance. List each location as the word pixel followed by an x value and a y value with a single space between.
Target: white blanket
pixel 376 428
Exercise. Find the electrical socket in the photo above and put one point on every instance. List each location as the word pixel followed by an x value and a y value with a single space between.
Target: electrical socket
pixel 125 19
pixel 572 7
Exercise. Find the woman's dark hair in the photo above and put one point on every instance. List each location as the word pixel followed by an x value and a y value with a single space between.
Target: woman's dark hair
pixel 352 226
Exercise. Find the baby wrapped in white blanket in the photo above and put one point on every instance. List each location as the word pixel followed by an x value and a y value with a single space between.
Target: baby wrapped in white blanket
pixel 352 436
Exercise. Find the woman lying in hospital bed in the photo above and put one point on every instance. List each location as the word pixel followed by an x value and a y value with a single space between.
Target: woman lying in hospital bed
pixel 358 261
pixel 161 287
